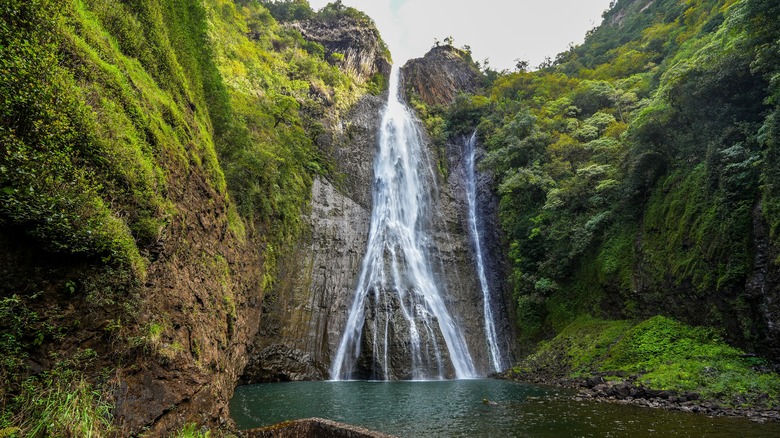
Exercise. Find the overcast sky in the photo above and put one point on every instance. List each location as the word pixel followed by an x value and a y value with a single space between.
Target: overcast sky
pixel 501 30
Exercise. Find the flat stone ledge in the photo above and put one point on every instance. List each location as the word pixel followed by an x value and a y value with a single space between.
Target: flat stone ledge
pixel 313 427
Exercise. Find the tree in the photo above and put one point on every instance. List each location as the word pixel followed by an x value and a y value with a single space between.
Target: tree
pixel 547 63
pixel 521 65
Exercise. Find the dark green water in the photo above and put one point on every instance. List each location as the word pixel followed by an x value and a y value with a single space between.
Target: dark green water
pixel 454 409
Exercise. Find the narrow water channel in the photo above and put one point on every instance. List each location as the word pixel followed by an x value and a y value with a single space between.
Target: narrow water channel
pixel 455 408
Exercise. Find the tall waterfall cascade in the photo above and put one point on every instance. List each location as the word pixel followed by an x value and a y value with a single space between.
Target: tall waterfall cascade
pixel 399 311
pixel 496 360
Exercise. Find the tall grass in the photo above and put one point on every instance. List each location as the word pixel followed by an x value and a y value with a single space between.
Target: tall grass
pixel 62 403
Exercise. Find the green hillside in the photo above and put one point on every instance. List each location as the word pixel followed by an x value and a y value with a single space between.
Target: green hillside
pixel 637 173
pixel 109 109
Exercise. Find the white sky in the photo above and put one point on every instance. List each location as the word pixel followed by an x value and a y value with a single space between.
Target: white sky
pixel 501 30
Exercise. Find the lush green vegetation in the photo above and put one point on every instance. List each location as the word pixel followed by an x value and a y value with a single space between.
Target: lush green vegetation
pixel 634 168
pixel 269 72
pixel 660 353
pixel 110 107
pixel 632 171
pixel 192 431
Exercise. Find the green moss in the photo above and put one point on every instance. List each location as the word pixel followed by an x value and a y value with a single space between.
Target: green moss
pixel 663 353
pixel 616 257
pixel 191 430
pixel 692 233
pixel 672 355
pixel 578 348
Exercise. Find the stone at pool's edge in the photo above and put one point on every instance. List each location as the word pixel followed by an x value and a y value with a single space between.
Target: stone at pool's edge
pixel 313 427
pixel 626 391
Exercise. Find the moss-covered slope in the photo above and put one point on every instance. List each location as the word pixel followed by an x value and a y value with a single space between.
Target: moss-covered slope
pixel 658 354
pixel 156 160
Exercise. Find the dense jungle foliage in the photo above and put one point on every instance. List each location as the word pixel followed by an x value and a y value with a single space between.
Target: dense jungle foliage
pixel 638 171
pixel 107 106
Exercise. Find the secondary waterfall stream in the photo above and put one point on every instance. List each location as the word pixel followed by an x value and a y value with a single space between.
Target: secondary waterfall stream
pixel 471 194
pixel 396 286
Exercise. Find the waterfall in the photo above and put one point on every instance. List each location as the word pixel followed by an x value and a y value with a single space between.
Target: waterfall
pixel 397 303
pixel 471 196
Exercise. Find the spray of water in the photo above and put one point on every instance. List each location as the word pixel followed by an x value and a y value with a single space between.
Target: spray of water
pixel 471 197
pixel 396 285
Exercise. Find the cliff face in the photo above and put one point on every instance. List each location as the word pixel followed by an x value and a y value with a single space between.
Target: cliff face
pixel 363 52
pixel 441 74
pixel 305 315
pixel 126 278
pixel 493 245
pixel 167 347
pixel 203 291
pixel 150 177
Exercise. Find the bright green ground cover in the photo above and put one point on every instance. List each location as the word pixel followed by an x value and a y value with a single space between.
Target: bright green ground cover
pixel 662 353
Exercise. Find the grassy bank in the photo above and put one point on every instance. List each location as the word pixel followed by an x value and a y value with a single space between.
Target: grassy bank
pixel 657 354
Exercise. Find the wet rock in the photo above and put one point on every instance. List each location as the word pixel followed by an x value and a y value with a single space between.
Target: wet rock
pixel 593 381
pixel 313 427
pixel 692 396
pixel 307 310
pixel 305 313
pixel 620 390
pixel 279 363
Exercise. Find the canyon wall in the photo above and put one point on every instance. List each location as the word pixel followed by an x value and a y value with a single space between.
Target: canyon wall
pixel 305 315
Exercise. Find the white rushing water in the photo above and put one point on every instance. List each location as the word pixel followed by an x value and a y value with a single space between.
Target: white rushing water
pixel 471 197
pixel 396 284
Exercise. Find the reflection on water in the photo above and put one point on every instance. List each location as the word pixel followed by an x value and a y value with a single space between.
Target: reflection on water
pixel 456 408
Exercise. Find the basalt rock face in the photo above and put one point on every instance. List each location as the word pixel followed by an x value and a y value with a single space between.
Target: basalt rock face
pixel 762 288
pixel 361 46
pixel 441 74
pixel 466 287
pixel 455 258
pixel 306 312
pixel 305 315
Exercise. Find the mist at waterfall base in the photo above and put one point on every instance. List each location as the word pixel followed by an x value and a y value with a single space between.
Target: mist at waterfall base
pixel 398 302
pixel 455 408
